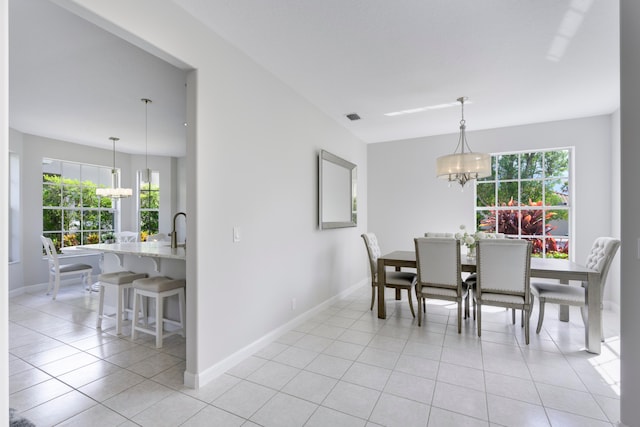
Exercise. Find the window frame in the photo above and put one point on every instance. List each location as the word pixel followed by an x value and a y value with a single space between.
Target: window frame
pixel 548 240
pixel 155 181
pixel 68 236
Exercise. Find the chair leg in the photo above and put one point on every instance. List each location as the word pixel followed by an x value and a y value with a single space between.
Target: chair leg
pixel 413 313
pixel 526 326
pixel 420 301
pixel 182 308
pixel 540 315
pixel 100 308
pixel 460 315
pixel 119 309
pixel 56 286
pixel 513 316
pixel 373 296
pixel 479 321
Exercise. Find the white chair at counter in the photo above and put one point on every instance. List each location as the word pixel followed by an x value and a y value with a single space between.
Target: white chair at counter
pixel 126 236
pixel 122 282
pixel 57 270
pixel 158 287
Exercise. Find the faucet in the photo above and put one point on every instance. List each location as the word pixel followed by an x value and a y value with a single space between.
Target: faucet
pixel 174 233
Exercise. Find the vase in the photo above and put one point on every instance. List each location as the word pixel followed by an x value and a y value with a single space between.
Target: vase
pixel 471 251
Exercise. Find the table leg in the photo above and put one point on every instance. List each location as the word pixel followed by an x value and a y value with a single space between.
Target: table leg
pixel 382 279
pixel 593 329
pixel 398 296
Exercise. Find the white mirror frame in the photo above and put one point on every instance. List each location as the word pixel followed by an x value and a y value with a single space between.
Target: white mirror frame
pixel 336 192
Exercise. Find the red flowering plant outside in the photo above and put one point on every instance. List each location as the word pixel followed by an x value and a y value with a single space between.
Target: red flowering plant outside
pixel 527 222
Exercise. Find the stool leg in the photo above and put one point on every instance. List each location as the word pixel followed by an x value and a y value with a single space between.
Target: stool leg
pixel 159 320
pixel 134 322
pixel 100 308
pixel 181 307
pixel 119 306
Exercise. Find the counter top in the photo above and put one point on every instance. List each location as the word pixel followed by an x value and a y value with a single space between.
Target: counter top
pixel 145 249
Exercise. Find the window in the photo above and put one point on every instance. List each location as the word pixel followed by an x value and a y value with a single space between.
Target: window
pixel 528 196
pixel 72 213
pixel 149 205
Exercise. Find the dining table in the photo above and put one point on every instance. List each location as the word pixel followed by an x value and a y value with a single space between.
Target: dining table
pixel 544 268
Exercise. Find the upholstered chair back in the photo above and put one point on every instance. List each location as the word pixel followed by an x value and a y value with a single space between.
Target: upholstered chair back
pixel 503 264
pixel 373 249
pixel 438 261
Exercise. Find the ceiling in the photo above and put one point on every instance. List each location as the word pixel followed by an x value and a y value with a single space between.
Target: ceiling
pixel 519 62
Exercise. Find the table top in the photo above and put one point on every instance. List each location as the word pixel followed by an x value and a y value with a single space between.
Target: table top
pixel 540 267
pixel 148 249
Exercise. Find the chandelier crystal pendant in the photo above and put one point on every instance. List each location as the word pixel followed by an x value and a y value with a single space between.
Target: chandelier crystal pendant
pixel 463 165
pixel 145 176
pixel 115 191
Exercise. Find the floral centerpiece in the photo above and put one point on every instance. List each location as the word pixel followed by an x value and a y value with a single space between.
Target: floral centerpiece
pixel 470 240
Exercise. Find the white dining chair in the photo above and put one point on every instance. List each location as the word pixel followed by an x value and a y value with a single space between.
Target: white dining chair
pixel 57 270
pixel 602 253
pixel 394 279
pixel 503 274
pixel 126 236
pixel 439 272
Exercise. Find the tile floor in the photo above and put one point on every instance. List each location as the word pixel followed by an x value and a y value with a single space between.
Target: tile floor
pixel 344 367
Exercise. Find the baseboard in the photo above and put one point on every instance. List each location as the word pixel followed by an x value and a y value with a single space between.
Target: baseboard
pixel 195 380
pixel 42 287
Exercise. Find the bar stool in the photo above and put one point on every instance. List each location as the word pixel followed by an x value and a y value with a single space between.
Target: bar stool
pixel 122 280
pixel 159 288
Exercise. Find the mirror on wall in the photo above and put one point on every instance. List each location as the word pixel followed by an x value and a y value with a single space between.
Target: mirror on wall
pixel 336 192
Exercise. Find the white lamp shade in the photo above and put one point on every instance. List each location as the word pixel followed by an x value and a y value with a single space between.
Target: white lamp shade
pixel 478 165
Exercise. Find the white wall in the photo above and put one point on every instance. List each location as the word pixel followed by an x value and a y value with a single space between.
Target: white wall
pixel 630 155
pixel 406 199
pixel 4 220
pixel 251 163
pixel 32 268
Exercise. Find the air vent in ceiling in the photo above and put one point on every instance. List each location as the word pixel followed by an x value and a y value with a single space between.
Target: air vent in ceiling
pixel 353 116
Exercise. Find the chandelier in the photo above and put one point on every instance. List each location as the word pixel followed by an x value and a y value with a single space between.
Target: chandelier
pixel 463 165
pixel 115 191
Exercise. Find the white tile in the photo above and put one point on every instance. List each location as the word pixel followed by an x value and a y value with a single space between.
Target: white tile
pixel 344 350
pixel 173 377
pixel 511 412
pixel 296 357
pixel 246 367
pixel 462 376
pixel 109 386
pixel 356 337
pixel 367 376
pixel 333 367
pixel 310 386
pixel 271 350
pixel 460 399
pixel 352 399
pixel 324 417
pixel 410 387
pixel 611 407
pixel 273 374
pixel 423 350
pixel 394 411
pixel 566 419
pixel 470 358
pixel 440 418
pixel 573 401
pixel 37 394
pixel 512 387
pixel 313 343
pixel 89 373
pixel 96 416
pixel 170 411
pixel 383 342
pixel 59 409
pixel 284 411
pixel 26 379
pixel 328 331
pixel 380 358
pixel 244 398
pixel 212 416
pixel 154 364
pixel 426 368
pixel 136 399
pixel 214 389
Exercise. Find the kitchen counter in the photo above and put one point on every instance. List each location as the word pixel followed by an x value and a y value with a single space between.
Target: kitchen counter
pixel 155 251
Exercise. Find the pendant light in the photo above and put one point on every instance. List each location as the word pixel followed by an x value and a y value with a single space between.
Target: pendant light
pixel 464 165
pixel 145 177
pixel 115 191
